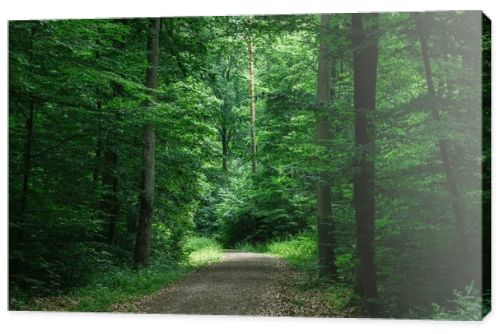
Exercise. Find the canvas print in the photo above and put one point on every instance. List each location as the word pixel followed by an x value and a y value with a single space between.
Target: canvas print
pixel 316 165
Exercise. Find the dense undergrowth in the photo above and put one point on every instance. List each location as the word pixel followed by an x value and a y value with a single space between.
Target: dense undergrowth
pixel 465 305
pixel 124 284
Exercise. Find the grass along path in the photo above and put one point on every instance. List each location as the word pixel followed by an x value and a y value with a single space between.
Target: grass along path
pixel 243 283
pixel 311 295
pixel 281 282
pixel 123 289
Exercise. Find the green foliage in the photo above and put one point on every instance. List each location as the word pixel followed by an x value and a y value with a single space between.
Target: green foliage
pixel 298 251
pixel 301 252
pixel 85 88
pixel 80 83
pixel 466 305
pixel 115 286
pixel 203 251
pixel 258 209
pixel 40 270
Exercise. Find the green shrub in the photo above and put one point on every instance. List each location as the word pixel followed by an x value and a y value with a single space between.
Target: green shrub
pixel 58 254
pixel 300 251
pixel 466 305
pixel 195 243
pixel 122 285
pixel 258 209
pixel 202 251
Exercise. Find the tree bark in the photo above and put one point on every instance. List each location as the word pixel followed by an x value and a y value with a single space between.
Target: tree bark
pixel 456 200
pixel 28 153
pixel 324 219
pixel 28 150
pixel 224 136
pixel 253 141
pixel 143 240
pixel 365 58
pixel 144 227
pixel 98 151
pixel 110 203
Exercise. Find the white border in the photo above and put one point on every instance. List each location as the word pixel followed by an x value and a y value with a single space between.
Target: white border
pixel 118 323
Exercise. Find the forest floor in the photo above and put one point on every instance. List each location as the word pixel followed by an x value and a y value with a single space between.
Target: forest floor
pixel 243 283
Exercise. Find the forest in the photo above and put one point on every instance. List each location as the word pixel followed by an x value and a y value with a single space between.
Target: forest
pixel 353 147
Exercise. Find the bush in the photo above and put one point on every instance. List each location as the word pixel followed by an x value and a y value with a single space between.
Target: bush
pixel 258 209
pixel 58 254
pixel 466 305
pixel 124 285
pixel 300 251
pixel 203 251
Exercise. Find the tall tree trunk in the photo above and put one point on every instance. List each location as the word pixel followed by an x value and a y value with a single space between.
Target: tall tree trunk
pixel 144 227
pixel 224 136
pixel 365 58
pixel 253 141
pixel 456 200
pixel 324 219
pixel 28 149
pixel 143 241
pixel 110 203
pixel 98 151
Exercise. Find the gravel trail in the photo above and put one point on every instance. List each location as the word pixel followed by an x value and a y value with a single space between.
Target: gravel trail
pixel 241 284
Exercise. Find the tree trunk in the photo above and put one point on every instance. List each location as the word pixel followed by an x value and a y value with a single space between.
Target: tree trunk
pixel 253 142
pixel 365 58
pixel 98 151
pixel 224 136
pixel 456 200
pixel 143 241
pixel 324 219
pixel 28 152
pixel 28 149
pixel 110 203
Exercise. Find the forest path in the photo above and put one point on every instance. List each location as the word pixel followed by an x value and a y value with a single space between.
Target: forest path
pixel 242 283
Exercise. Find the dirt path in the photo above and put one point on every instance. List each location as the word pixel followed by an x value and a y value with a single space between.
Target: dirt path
pixel 241 284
